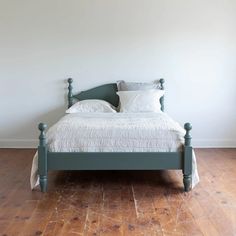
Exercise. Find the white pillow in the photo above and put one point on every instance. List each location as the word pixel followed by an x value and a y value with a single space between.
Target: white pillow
pixel 140 101
pixel 91 105
pixel 134 86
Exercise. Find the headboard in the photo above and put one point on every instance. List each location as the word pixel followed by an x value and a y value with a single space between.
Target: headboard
pixel 105 92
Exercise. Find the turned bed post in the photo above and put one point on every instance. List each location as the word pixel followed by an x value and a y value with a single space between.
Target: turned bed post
pixel 70 94
pixel 187 168
pixel 42 158
pixel 162 81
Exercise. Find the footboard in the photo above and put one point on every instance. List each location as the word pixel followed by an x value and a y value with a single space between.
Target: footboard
pixel 114 160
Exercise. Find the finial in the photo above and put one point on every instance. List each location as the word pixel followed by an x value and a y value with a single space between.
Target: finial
pixel 187 137
pixel 70 80
pixel 162 81
pixel 42 137
pixel 188 126
pixel 42 127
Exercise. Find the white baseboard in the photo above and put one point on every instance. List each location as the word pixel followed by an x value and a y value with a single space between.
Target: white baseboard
pixel 214 143
pixel 197 143
pixel 18 143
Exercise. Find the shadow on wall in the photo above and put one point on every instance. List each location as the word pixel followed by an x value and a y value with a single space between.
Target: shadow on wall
pixel 30 126
pixel 27 129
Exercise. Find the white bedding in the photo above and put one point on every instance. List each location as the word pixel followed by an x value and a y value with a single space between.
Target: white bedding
pixel 115 132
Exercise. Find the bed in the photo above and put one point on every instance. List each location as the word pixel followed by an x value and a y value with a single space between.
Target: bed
pixel 60 154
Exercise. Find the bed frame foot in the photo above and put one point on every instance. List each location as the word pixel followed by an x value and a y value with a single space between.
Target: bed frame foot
pixel 43 183
pixel 187 183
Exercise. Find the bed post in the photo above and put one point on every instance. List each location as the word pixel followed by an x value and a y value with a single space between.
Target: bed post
pixel 187 165
pixel 42 158
pixel 162 81
pixel 70 95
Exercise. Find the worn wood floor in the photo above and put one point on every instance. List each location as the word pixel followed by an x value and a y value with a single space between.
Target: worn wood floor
pixel 119 203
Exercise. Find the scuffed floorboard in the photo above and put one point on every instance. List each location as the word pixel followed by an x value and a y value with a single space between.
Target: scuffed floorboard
pixel 114 203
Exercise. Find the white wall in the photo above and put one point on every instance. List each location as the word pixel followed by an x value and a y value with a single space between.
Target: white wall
pixel 192 44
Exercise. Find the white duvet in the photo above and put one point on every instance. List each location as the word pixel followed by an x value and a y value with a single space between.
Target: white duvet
pixel 115 132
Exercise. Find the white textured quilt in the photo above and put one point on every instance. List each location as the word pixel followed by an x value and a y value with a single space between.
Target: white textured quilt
pixel 115 132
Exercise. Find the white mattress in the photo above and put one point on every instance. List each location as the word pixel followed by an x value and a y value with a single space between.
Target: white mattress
pixel 115 132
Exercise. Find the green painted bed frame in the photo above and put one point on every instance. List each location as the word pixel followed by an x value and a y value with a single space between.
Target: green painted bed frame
pixel 47 160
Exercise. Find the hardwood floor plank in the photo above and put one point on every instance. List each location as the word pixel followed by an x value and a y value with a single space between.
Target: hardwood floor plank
pixel 38 220
pixel 21 218
pixel 119 202
pixel 221 204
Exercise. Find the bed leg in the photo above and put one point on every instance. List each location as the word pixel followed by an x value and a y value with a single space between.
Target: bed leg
pixel 43 183
pixel 187 165
pixel 187 182
pixel 42 158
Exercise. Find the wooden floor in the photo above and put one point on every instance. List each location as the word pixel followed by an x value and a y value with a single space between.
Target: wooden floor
pixel 119 203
